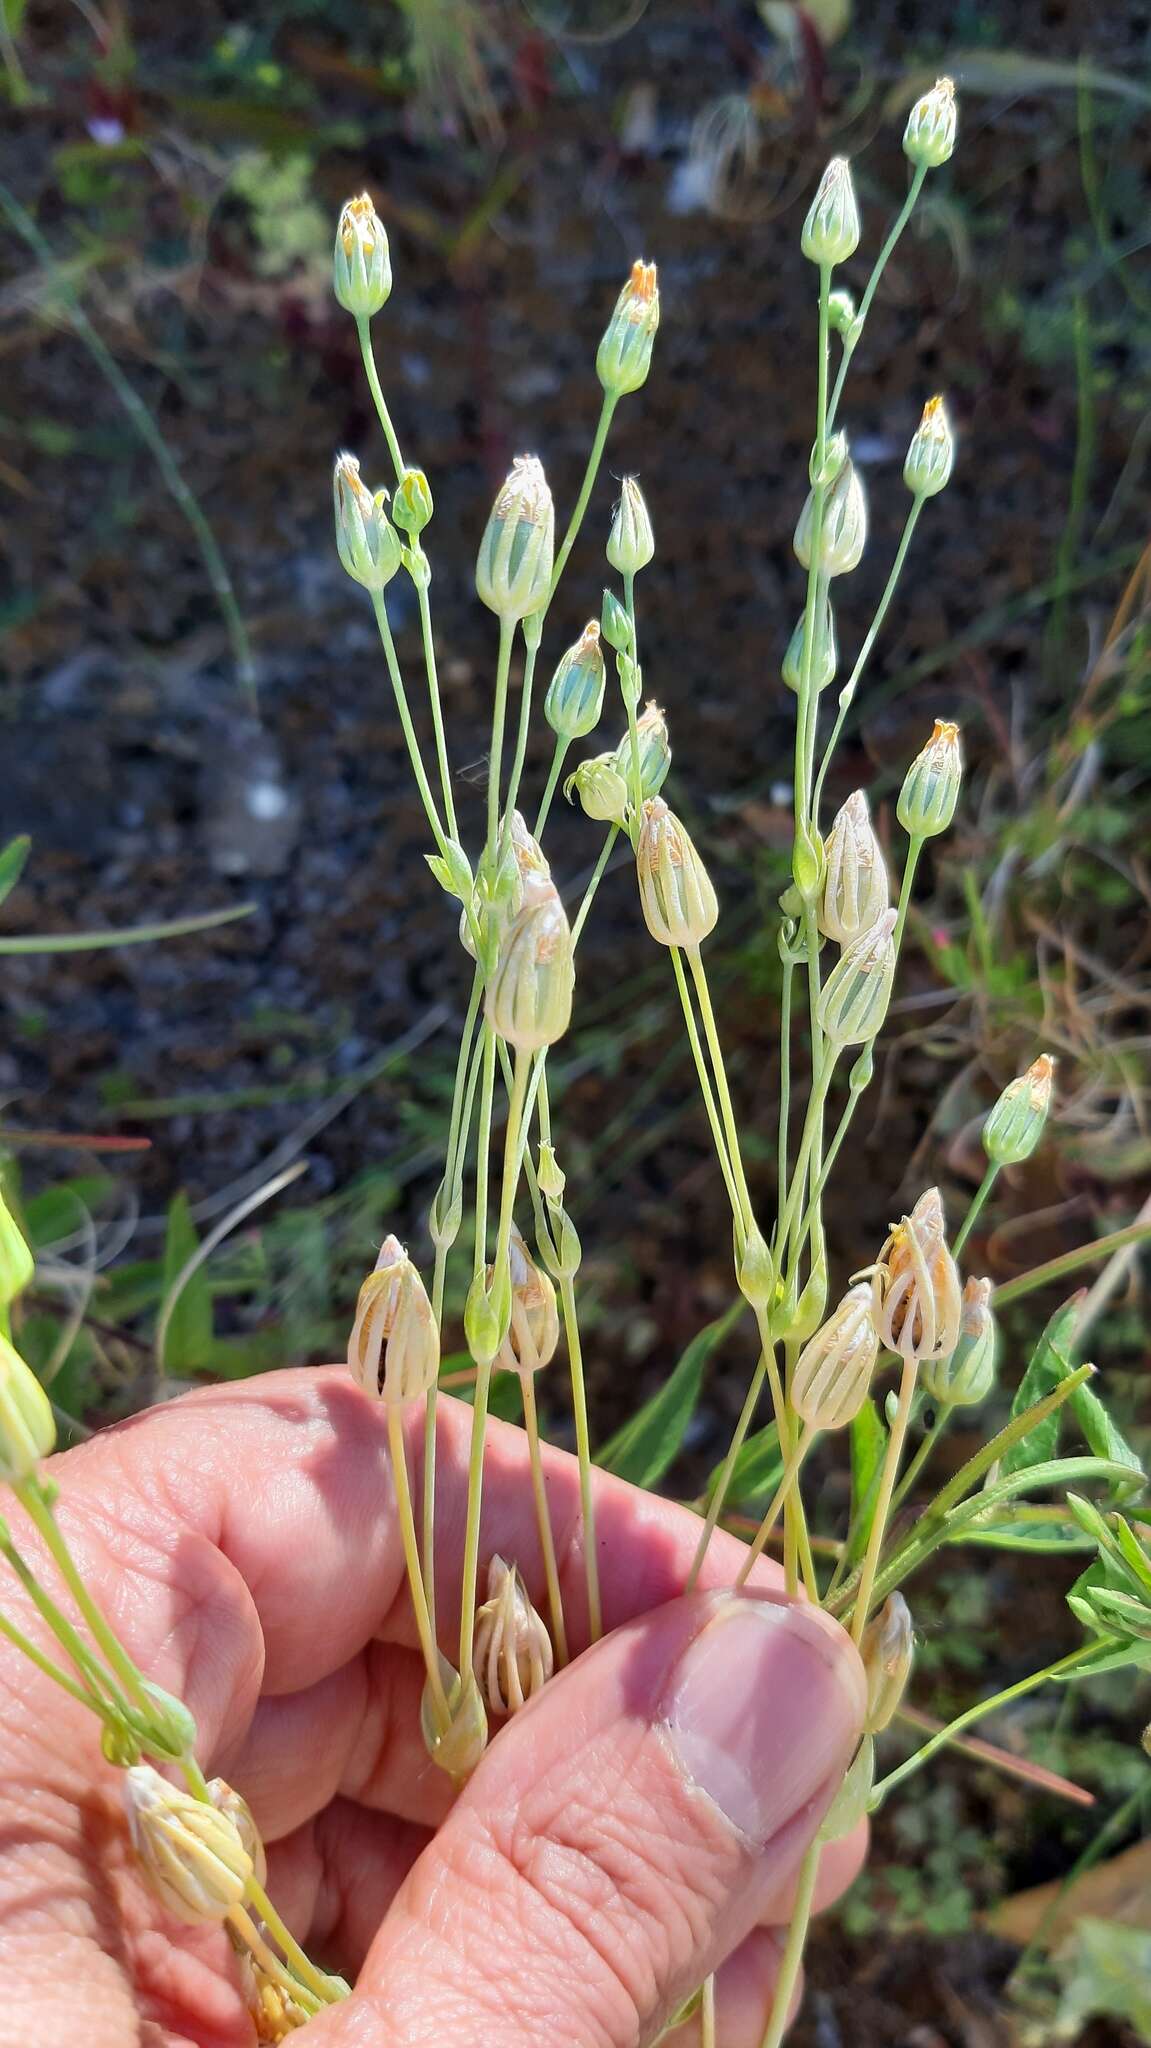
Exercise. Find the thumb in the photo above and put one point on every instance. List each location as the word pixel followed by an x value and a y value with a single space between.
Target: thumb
pixel 620 1837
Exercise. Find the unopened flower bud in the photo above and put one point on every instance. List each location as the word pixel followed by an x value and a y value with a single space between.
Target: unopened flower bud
pixel 394 1348
pixel 1015 1125
pixel 16 1262
pixel 534 1330
pixel 833 1371
pixel 841 312
pixel 529 1001
pixel 191 1854
pixel 27 1425
pixel 929 136
pixel 412 503
pixel 654 752
pixel 825 469
pixel 237 1810
pixel 831 230
pixel 824 652
pixel 631 542
pixel 514 566
pixel 887 1649
pixel 623 358
pixel 856 993
pixel 600 788
pixel 559 1245
pixel 843 533
pixel 484 1328
pixel 574 697
pixel 808 1312
pixel 550 1177
pixel 931 454
pixel 172 1725
pixel 755 1270
pixel 362 264
pixel 366 541
pixel 968 1375
pixel 930 790
pixel 457 1748
pixel 445 1216
pixel 678 902
pixel 916 1293
pixel 855 888
pixel 808 865
pixel 615 624
pixel 850 1803
pixel 513 1656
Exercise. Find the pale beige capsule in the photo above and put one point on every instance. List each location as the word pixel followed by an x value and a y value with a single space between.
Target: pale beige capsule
pixel 236 1809
pixel 513 1656
pixel 394 1348
pixel 529 1001
pixel 834 1369
pixel 534 1330
pixel 457 1748
pixel 678 902
pixel 887 1650
pixel 855 889
pixel 191 1854
pixel 274 2013
pixel 918 1301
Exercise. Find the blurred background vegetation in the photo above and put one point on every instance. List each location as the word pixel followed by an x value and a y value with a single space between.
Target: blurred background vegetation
pixel 176 378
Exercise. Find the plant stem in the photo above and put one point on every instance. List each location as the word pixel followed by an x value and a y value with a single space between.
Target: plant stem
pixel 784 1082
pixel 923 1453
pixel 706 1087
pixel 881 261
pixel 100 1683
pixel 32 1498
pixel 597 875
pixel 363 329
pixel 583 1454
pixel 977 1201
pixel 914 849
pixel 437 708
pixel 883 1500
pixel 723 1483
pixel 318 1982
pixel 50 1670
pixel 1070 1262
pixel 731 1127
pixel 543 1517
pixel 636 790
pixel 470 1567
pixel 593 462
pixel 413 745
pixel 558 757
pixel 707 2033
pixel 532 645
pixel 848 691
pixel 976 1713
pixel 792 1959
pixel 499 713
pixel 249 1934
pixel 782 1494
pixel 407 1522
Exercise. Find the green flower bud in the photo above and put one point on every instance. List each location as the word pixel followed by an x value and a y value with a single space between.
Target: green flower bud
pixel 412 503
pixel 362 265
pixel 27 1427
pixel 457 1748
pixel 654 752
pixel 615 624
pixel 887 1649
pixel 755 1271
pixel 855 887
pixel 807 1314
pixel 559 1246
pixel 394 1348
pixel 841 313
pixel 931 454
pixel 550 1177
pixel 966 1378
pixel 574 697
pixel 1015 1125
pixel 929 136
pixel 533 1334
pixel 834 456
pixel 368 544
pixel 930 790
pixel 600 788
pixel 831 230
pixel 623 358
pixel 850 1803
pixel 16 1262
pixel 833 1371
pixel 807 863
pixel 843 534
pixel 119 1746
pixel 678 902
pixel 631 542
pixel 445 1217
pixel 824 654
pixel 191 1854
pixel 172 1725
pixel 529 1000
pixel 483 1324
pixel 856 993
pixel 514 566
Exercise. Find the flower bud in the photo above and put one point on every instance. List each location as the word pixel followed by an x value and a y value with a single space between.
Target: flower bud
pixel 574 697
pixel 16 1262
pixel 678 902
pixel 483 1326
pixel 362 264
pixel 843 534
pixel 855 888
pixel 600 788
pixel 623 358
pixel 514 566
pixel 931 454
pixel 512 1656
pixel 824 469
pixel 27 1425
pixel 968 1375
pixel 237 1810
pixel 850 1803
pixel 808 864
pixel 457 1748
pixel 841 312
pixel 929 136
pixel 856 993
pixel 191 1854
pixel 529 1000
pixel 831 230
pixel 631 542
pixel 615 624
pixel 824 654
pixel 550 1177
pixel 654 752
pixel 1015 1125
pixel 833 1371
pixel 930 790
pixel 755 1270
pixel 171 1725
pixel 412 503
pixel 367 542
pixel 534 1330
pixel 559 1245
pixel 915 1289
pixel 394 1348
pixel 887 1649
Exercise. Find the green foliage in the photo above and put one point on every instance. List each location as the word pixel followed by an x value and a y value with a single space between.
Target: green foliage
pixel 644 1448
pixel 1050 1362
pixel 756 1473
pixel 1107 1972
pixel 188 1337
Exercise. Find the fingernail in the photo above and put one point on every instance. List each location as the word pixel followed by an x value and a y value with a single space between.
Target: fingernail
pixel 766 1703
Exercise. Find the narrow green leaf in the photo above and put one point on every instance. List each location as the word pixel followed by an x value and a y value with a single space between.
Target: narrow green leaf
pixel 188 1341
pixel 868 1446
pixel 1069 1262
pixel 1103 1435
pixel 757 1471
pixel 129 935
pixel 644 1448
pixel 1050 1363
pixel 12 859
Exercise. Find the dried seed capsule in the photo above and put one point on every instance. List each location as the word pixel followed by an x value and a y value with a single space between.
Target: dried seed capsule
pixel 631 542
pixel 623 358
pixel 574 697
pixel 916 1293
pixel 16 1262
pixel 851 1801
pixel 534 1330
pixel 394 1348
pixel 514 565
pixel 654 752
pixel 600 788
pixel 457 1748
pixel 191 1854
pixel 512 1657
pixel 930 790
pixel 931 454
pixel 27 1425
pixel 678 902
pixel 1015 1125
pixel 833 1371
pixel 237 1810
pixel 855 888
pixel 832 229
pixel 412 503
pixel 843 534
pixel 361 264
pixel 367 542
pixel 529 1001
pixel 967 1377
pixel 887 1649
pixel 824 654
pixel 929 136
pixel 857 991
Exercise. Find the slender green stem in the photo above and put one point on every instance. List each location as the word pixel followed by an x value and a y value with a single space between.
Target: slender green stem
pixel 470 1568
pixel 31 1496
pixel 437 708
pixel 319 1983
pixel 499 714
pixel 707 2034
pixel 559 755
pixel 99 1682
pixel 782 1495
pixel 887 1480
pixel 50 1670
pixel 401 697
pixel 597 875
pixel 250 1936
pixel 514 1137
pixel 977 1201
pixel 914 849
pixel 922 1456
pixel 792 1959
pixel 706 1090
pixel 848 691
pixel 590 473
pixel 722 1486
pixel 483 1147
pixel 881 262
pixel 784 1082
pixel 583 1455
pixel 363 329
pixel 813 1207
pixel 532 646
pixel 543 1517
pixel 812 1122
pixel 976 1713
pixel 407 1521
pixel 727 1110
pixel 636 779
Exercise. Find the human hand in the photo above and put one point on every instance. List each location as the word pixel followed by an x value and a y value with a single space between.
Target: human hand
pixel 638 1825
